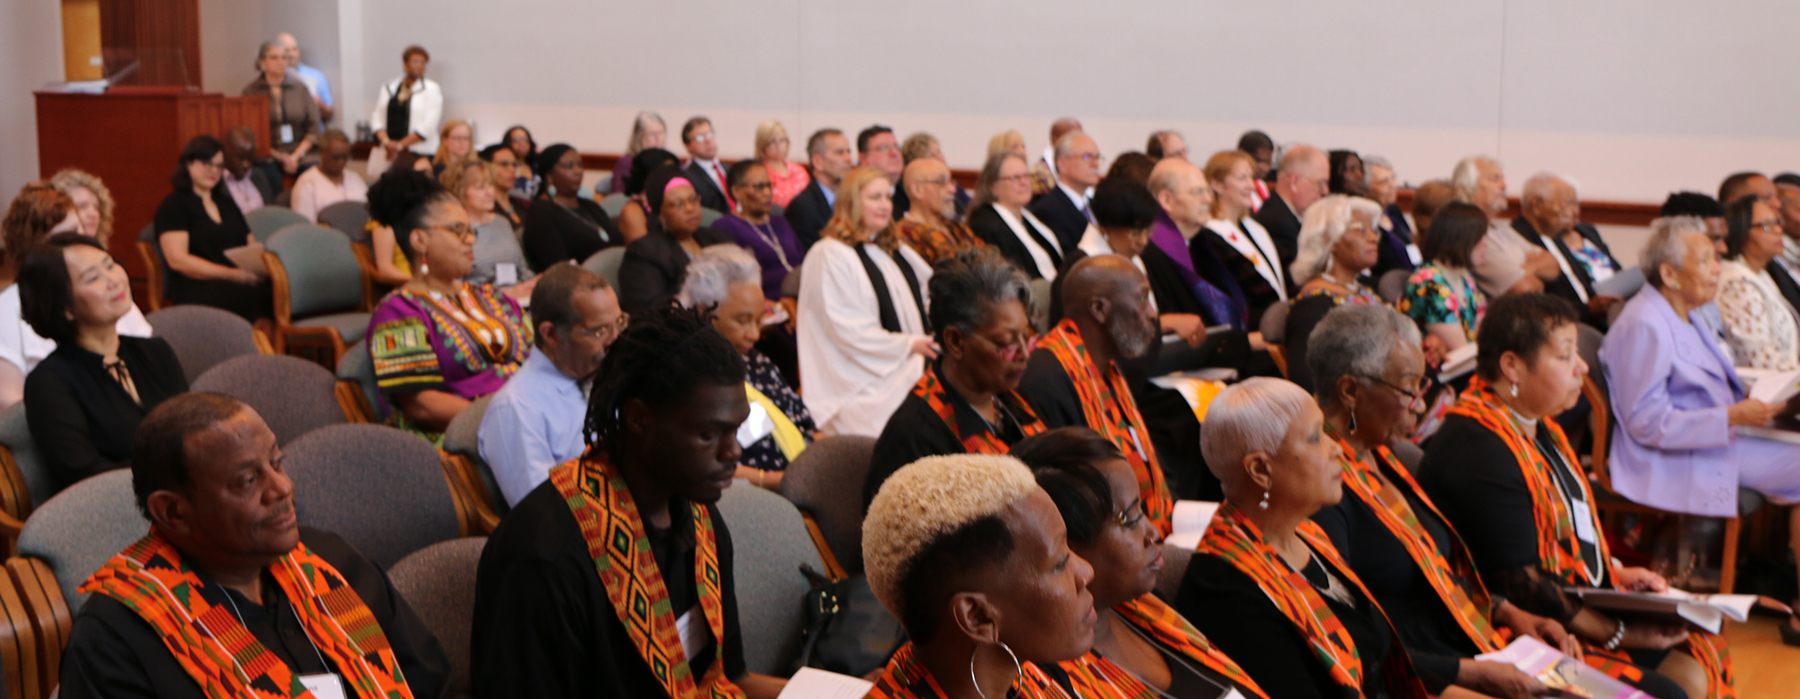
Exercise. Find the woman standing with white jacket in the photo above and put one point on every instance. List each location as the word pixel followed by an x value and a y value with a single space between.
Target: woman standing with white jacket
pixel 407 112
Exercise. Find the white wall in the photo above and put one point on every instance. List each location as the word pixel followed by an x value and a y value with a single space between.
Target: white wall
pixel 30 55
pixel 232 30
pixel 1633 98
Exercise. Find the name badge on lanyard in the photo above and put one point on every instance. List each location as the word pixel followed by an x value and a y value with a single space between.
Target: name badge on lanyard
pixel 1584 521
pixel 287 133
pixel 326 685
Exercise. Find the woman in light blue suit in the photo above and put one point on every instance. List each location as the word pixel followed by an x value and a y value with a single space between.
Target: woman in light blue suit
pixel 1678 399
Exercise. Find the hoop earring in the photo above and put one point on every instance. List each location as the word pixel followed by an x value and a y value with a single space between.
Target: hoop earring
pixel 1017 669
pixel 1265 501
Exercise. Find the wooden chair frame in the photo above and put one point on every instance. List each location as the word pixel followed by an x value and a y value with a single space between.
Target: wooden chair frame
pixel 50 617
pixel 1279 354
pixel 153 276
pixel 1610 501
pixel 15 501
pixel 365 261
pixel 355 403
pixel 474 505
pixel 21 650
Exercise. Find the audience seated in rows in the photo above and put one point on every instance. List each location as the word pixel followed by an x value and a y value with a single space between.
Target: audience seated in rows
pixel 1348 175
pixel 829 153
pixel 438 342
pixel 999 216
pixel 723 281
pixel 1065 207
pixel 559 608
pixel 636 219
pixel 932 226
pixel 967 399
pixel 226 559
pixel 878 148
pixel 195 225
pixel 456 142
pixel 1760 327
pixel 1512 263
pixel 294 122
pixel 1399 247
pixel 1442 295
pixel 1237 242
pixel 1043 170
pixel 314 79
pixel 524 149
pixel 1508 480
pixel 251 187
pixel 507 173
pixel 1550 218
pixel 984 583
pixel 647 131
pixel 1073 377
pixel 703 168
pixel 1304 177
pixel 755 228
pixel 408 109
pixel 391 267
pixel 84 400
pixel 655 264
pixel 1186 200
pixel 786 176
pixel 535 421
pixel 862 332
pixel 1165 145
pixel 499 260
pixel 1125 214
pixel 561 226
pixel 331 181
pixel 922 145
pixel 1759 186
pixel 1338 243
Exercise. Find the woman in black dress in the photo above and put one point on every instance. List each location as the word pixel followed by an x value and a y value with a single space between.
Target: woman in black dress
pixel 195 225
pixel 84 401
pixel 560 225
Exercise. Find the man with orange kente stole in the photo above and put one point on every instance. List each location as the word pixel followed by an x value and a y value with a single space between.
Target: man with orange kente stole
pixel 614 577
pixel 228 597
pixel 1073 377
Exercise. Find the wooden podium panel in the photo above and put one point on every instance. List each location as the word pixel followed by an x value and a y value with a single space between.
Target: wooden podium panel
pixel 131 137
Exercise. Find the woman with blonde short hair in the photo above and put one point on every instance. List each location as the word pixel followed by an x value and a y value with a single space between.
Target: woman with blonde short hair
pixel 788 177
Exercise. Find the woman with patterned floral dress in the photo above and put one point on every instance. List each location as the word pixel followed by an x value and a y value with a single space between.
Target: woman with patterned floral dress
pixel 1442 297
pixel 439 342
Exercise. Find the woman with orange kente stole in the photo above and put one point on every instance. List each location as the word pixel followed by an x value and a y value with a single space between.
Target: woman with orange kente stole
pixel 971 556
pixel 228 597
pixel 1394 537
pixel 1504 474
pixel 1265 584
pixel 1142 648
pixel 965 403
pixel 1073 377
pixel 614 578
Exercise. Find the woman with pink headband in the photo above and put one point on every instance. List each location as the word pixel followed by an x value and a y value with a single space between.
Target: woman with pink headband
pixel 656 264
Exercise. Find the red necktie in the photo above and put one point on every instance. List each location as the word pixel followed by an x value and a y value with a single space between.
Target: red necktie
pixel 730 205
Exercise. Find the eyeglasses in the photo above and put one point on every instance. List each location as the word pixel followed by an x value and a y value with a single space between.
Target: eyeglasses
pixel 605 331
pixel 1415 395
pixel 1771 225
pixel 757 186
pixel 1131 516
pixel 1093 158
pixel 1014 349
pixel 460 230
pixel 937 181
pixel 700 137
pixel 1015 179
pixel 210 165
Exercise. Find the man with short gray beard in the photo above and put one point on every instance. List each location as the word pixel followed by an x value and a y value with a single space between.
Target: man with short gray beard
pixel 1073 378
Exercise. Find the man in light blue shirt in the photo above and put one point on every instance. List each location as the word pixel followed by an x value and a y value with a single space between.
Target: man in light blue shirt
pixel 309 76
pixel 534 422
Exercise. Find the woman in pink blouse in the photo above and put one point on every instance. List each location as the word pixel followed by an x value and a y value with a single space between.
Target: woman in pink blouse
pixel 788 176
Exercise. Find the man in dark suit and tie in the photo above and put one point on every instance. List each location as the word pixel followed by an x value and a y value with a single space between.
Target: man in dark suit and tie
pixel 1302 179
pixel 1549 217
pixel 1065 207
pixel 703 167
pixel 1786 266
pixel 829 152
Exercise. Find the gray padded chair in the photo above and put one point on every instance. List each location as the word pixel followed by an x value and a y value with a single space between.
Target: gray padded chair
pixel 324 291
pixel 356 365
pixel 264 222
pixel 708 216
pixel 79 529
pixel 827 481
pixel 790 284
pixel 203 336
pixel 348 217
pixel 770 543
pixel 462 437
pixel 1175 563
pixel 606 264
pixel 294 396
pixel 15 435
pixel 381 489
pixel 1040 304
pixel 1274 323
pixel 614 204
pixel 438 582
pixel 1392 284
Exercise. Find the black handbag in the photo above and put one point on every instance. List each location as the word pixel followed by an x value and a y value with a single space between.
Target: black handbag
pixel 847 630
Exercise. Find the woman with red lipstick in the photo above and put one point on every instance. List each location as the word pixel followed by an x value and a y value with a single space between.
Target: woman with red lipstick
pixel 1266 585
pixel 85 400
pixel 965 402
pixel 1142 648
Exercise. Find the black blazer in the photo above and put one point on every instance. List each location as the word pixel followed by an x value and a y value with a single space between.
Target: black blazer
pixel 82 419
pixel 1565 286
pixel 902 202
pixel 1790 289
pixel 711 196
pixel 554 234
pixel 986 223
pixel 655 266
pixel 1061 214
pixel 808 213
pixel 1283 225
pixel 1392 251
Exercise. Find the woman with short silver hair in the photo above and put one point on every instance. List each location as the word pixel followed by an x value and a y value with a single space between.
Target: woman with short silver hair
pixel 966 400
pixel 1399 249
pixel 1338 242
pixel 727 279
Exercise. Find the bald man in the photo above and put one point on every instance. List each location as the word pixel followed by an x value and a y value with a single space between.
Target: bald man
pixel 1043 173
pixel 309 76
pixel 1303 178
pixel 1180 189
pixel 930 224
pixel 1073 377
pixel 1550 218
pixel 1065 208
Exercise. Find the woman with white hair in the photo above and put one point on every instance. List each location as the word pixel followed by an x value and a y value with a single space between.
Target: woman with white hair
pixel 726 279
pixel 1399 249
pixel 973 558
pixel 1679 402
pixel 1338 243
pixel 1264 566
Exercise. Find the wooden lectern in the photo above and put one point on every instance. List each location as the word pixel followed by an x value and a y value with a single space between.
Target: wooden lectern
pixel 130 137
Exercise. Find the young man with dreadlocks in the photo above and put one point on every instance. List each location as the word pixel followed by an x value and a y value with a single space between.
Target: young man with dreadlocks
pixel 614 577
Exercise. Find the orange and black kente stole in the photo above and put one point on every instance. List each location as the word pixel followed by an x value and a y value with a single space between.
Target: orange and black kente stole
pixel 1111 411
pixel 1096 677
pixel 936 394
pixel 907 678
pixel 223 657
pixel 620 547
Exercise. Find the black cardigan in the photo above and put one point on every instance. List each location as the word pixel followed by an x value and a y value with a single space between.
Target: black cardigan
pixel 82 419
pixel 656 265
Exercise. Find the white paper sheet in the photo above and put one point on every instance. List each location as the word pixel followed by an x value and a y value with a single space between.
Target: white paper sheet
pixel 1189 521
pixel 813 683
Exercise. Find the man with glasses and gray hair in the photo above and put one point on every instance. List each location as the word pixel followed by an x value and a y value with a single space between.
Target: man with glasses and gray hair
pixel 1065 207
pixel 534 422
pixel 1303 178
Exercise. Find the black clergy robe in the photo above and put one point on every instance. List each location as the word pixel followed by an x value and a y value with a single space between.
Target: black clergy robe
pixel 543 625
pixel 114 653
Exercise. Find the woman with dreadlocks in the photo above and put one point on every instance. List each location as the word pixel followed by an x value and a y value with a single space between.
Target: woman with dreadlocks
pixel 614 577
